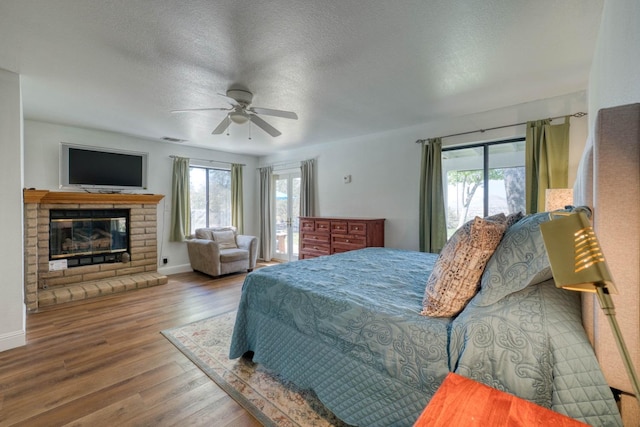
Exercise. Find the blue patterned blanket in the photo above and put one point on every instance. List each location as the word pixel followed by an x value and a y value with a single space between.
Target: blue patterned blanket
pixel 348 327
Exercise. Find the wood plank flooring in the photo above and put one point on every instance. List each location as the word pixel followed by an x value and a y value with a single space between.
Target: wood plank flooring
pixel 103 362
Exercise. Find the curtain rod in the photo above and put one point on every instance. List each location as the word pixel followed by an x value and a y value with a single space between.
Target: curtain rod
pixel 210 161
pixel 290 163
pixel 579 114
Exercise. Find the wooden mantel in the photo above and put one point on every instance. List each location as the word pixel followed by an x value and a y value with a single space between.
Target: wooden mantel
pixel 46 196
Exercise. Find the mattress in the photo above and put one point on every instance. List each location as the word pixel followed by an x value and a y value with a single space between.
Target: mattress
pixel 348 327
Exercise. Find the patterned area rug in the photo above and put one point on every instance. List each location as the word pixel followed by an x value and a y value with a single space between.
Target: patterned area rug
pixel 272 400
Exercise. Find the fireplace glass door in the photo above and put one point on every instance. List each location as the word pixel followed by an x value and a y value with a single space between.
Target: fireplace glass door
pixel 86 237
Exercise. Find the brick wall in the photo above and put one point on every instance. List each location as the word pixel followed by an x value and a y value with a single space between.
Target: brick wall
pixel 143 248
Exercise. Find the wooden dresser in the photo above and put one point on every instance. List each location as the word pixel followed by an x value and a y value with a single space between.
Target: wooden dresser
pixel 326 236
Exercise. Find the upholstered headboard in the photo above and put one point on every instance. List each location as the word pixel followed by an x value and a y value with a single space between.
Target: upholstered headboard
pixel 609 181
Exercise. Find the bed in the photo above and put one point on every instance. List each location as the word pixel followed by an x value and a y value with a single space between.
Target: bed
pixel 348 327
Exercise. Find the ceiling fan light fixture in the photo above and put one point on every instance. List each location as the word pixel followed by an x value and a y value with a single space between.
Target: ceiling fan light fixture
pixel 242 112
pixel 239 117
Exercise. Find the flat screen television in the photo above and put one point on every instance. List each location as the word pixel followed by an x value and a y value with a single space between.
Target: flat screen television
pixel 101 168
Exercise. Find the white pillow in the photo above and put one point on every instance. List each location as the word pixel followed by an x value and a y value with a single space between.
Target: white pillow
pixel 225 239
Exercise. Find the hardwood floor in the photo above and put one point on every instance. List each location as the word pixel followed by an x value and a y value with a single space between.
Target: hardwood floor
pixel 104 362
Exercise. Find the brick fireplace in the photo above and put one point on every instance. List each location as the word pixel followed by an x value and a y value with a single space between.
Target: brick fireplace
pixel 96 261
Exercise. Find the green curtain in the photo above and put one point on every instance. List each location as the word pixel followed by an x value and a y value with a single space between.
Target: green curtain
pixel 307 187
pixel 547 160
pixel 433 225
pixel 180 201
pixel 237 208
pixel 266 234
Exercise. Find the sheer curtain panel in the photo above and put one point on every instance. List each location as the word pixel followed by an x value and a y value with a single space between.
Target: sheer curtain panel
pixel 180 201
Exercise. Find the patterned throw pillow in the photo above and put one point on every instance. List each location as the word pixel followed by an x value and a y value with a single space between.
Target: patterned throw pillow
pixel 455 276
pixel 513 218
pixel 509 220
pixel 226 239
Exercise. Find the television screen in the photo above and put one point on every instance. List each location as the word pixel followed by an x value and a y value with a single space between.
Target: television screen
pixel 90 167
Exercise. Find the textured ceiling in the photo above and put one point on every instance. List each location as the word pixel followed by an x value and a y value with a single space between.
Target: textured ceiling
pixel 347 68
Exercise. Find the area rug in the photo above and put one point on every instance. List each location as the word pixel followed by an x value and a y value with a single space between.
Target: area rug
pixel 270 399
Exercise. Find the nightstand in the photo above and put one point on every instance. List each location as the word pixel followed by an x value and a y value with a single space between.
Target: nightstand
pixel 463 402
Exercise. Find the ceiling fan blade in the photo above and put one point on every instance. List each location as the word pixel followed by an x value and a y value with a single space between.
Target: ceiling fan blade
pixel 224 95
pixel 231 101
pixel 264 125
pixel 224 124
pixel 275 113
pixel 191 110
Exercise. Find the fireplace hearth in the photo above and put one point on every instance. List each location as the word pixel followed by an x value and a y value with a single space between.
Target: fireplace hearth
pixel 88 236
pixel 88 245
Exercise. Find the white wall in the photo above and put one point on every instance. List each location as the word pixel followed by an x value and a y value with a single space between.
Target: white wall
pixel 385 167
pixel 12 309
pixel 616 61
pixel 41 152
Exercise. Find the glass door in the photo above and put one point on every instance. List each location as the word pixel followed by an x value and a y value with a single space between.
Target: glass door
pixel 287 210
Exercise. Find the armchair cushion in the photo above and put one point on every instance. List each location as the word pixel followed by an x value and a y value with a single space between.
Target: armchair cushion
pixel 204 234
pixel 226 239
pixel 233 255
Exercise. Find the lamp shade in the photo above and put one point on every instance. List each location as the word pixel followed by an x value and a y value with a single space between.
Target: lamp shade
pixel 557 198
pixel 575 256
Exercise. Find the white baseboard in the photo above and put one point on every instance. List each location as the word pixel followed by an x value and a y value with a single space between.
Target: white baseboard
pixel 184 268
pixel 12 340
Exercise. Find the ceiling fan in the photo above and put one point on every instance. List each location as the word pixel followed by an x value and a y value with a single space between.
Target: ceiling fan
pixel 242 112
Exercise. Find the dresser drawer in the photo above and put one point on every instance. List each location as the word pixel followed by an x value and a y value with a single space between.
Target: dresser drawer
pixel 315 248
pixel 313 237
pixel 307 225
pixel 339 250
pixel 323 225
pixel 339 227
pixel 357 228
pixel 348 242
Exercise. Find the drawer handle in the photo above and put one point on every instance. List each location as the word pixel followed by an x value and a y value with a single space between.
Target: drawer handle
pixel 347 240
pixel 356 228
pixel 315 237
pixel 315 247
pixel 338 227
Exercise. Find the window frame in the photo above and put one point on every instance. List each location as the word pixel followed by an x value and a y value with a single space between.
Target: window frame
pixel 485 163
pixel 207 188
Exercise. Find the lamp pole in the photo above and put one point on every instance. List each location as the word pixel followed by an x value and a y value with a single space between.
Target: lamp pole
pixel 606 304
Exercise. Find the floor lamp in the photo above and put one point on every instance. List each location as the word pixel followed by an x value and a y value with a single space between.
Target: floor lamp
pixel 578 264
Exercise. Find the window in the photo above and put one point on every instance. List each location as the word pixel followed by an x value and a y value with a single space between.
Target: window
pixel 210 193
pixel 483 179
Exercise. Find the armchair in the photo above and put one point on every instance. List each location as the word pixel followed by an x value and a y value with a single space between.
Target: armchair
pixel 218 251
